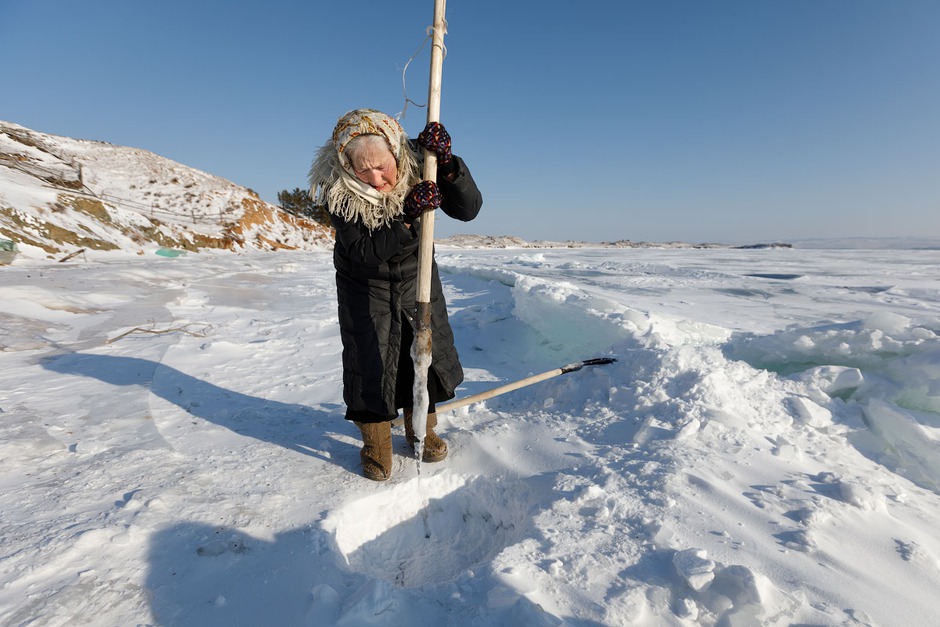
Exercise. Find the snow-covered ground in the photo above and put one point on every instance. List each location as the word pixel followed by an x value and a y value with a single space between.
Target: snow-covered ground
pixel 764 451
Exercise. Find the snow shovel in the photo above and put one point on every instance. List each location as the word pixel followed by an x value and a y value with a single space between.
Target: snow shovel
pixel 509 387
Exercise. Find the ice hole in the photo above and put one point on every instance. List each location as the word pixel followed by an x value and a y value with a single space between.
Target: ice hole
pixel 429 530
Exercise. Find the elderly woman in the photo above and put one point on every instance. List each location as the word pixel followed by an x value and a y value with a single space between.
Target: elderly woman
pixel 368 178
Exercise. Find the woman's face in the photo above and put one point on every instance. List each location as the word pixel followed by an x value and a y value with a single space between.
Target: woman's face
pixel 374 165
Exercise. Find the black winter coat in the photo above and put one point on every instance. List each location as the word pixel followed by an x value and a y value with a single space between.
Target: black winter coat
pixel 376 282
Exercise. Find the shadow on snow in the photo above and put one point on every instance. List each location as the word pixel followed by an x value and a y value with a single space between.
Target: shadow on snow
pixel 295 427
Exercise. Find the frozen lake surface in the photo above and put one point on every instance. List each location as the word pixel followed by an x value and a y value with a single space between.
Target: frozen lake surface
pixel 764 450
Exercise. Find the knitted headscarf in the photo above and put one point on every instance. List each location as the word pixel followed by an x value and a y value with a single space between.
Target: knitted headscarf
pixel 333 180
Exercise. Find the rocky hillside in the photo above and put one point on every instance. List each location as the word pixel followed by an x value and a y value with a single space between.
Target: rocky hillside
pixel 60 195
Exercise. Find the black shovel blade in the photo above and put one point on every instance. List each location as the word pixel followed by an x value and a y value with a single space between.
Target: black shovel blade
pixel 597 361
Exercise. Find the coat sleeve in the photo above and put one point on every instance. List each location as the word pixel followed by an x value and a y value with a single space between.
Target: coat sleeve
pixel 461 197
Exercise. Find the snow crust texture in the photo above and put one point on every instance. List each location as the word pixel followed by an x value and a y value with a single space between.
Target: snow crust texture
pixel 763 451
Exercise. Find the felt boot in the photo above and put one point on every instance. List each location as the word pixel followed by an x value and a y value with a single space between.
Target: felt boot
pixel 376 453
pixel 435 449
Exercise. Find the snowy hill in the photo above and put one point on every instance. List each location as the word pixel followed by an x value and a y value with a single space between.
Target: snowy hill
pixel 59 195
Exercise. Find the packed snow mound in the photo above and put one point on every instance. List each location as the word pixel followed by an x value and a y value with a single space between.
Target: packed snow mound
pixel 59 195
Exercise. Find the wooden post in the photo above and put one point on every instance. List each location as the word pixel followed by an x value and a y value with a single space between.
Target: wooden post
pixel 421 350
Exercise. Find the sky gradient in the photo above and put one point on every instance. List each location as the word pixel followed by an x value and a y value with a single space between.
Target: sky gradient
pixel 731 121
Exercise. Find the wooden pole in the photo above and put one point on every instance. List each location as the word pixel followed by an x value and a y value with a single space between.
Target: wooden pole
pixel 515 385
pixel 421 350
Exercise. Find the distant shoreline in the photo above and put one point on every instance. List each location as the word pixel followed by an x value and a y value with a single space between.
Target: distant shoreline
pixel 510 241
pixel 848 243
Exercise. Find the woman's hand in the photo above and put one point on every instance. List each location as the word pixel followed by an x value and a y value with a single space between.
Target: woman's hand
pixel 435 138
pixel 425 196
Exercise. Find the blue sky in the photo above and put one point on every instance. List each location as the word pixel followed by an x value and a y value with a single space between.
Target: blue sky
pixel 723 121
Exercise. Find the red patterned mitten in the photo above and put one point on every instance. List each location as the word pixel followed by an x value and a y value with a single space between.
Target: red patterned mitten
pixel 425 196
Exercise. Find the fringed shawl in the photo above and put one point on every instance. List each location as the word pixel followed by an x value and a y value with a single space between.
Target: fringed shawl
pixel 333 182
